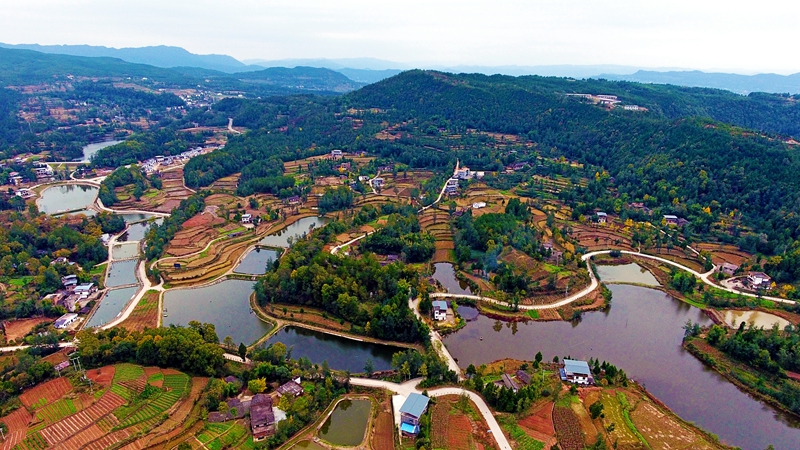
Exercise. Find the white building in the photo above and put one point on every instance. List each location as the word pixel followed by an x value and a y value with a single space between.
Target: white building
pixel 479 205
pixel 65 320
pixel 439 310
pixel 247 218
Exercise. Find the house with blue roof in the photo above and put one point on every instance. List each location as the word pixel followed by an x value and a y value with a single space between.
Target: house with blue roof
pixel 439 310
pixel 577 372
pixel 413 408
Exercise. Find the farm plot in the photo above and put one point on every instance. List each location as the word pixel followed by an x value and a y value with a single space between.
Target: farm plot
pixel 17 423
pixel 127 372
pixel 568 428
pixel 145 313
pixel 539 425
pixel 661 431
pixel 64 429
pixel 613 411
pixel 57 410
pixel 45 393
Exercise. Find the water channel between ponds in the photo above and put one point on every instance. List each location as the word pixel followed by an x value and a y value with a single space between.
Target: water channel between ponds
pixel 111 305
pixel 122 273
pixel 91 149
pixel 340 352
pixel 641 334
pixel 137 231
pixel 225 304
pixel 347 423
pixel 256 260
pixel 66 197
pixel 302 226
pixel 445 274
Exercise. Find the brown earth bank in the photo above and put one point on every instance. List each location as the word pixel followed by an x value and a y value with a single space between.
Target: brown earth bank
pixel 17 329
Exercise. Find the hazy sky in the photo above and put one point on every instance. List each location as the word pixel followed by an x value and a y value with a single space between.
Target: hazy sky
pixel 754 36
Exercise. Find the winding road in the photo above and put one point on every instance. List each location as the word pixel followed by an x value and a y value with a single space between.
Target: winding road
pixel 411 387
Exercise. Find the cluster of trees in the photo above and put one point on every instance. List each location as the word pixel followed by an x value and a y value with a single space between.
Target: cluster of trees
pixel 373 298
pixel 336 199
pixel 26 369
pixel 682 282
pixel 123 176
pixel 159 236
pixel 266 177
pixel 772 351
pixel 402 235
pixel 194 349
pixel 411 364
pixel 164 141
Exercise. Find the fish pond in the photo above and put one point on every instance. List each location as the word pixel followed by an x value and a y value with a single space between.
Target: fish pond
pixel 256 261
pixel 641 333
pixel 340 352
pixel 225 304
pixel 137 231
pixel 295 230
pixel 66 197
pixel 758 318
pixel 347 423
pixel 122 273
pixel 111 306
pixel 125 250
pixel 627 273
pixel 445 274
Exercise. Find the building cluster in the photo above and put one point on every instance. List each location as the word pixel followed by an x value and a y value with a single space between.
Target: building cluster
pixel 73 294
pixel 607 100
pixel 151 165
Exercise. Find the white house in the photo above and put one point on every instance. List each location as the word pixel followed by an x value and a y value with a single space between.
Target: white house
pixel 479 205
pixel 576 372
pixel 463 173
pixel 377 182
pixel 602 217
pixel 65 320
pixel 759 280
pixel 247 218
pixel 439 310
pixel 336 154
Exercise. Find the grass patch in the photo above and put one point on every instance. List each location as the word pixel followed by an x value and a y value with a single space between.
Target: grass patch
pixel 98 269
pixel 533 313
pixel 127 372
pixel 20 281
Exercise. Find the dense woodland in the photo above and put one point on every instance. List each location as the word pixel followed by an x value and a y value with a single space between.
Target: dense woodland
pixel 403 237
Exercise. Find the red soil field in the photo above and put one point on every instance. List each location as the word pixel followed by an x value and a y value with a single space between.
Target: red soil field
pixel 103 375
pixel 50 391
pixel 68 427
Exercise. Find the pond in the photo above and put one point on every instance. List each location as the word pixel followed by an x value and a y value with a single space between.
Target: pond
pixel 628 273
pixel 111 305
pixel 225 304
pixel 85 212
pixel 125 251
pixel 281 238
pixel 91 149
pixel 308 445
pixel 347 423
pixel 445 273
pixel 122 273
pixel 135 217
pixel 641 334
pixel 759 318
pixel 137 231
pixel 256 260
pixel 341 353
pixel 66 197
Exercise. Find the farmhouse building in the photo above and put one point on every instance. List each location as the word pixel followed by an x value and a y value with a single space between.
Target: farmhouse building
pixel 524 377
pixel 439 310
pixel 479 205
pixel 759 280
pixel 65 320
pixel 413 408
pixel 336 154
pixel 247 218
pixel 292 387
pixel 728 268
pixel 576 372
pixel 509 383
pixel 602 217
pixel 262 417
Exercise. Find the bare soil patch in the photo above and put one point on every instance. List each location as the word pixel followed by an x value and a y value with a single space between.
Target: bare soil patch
pixel 17 329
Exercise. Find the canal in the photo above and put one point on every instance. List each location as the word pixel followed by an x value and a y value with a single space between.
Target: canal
pixel 641 333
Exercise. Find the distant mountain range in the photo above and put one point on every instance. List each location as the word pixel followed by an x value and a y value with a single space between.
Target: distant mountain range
pixel 372 70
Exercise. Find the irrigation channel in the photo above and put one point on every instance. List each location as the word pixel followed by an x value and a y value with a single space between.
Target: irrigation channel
pixel 641 333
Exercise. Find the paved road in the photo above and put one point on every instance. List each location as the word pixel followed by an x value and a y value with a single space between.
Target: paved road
pixel 230 126
pixel 436 341
pixel 20 347
pixel 146 286
pixel 411 386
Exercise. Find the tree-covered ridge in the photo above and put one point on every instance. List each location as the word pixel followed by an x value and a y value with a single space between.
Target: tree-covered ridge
pixel 372 297
pixel 402 236
pixel 124 176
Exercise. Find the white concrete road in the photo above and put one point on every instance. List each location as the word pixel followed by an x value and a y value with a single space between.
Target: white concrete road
pixel 411 387
pixel 436 341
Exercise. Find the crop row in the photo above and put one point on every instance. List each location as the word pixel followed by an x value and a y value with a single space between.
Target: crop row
pixel 154 408
pixel 568 428
pixel 56 411
pixel 226 440
pixel 524 442
pixel 123 392
pixel 125 372
pixel 33 441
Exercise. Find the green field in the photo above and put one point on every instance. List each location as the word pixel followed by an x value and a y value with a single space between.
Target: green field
pixel 524 441
pixel 127 372
pixel 57 410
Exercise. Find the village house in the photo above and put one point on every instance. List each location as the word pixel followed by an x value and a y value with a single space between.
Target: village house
pixel 291 387
pixel 247 218
pixel 69 280
pixel 65 321
pixel 413 408
pixel 670 219
pixel 463 173
pixel 439 310
pixel 759 280
pixel 25 193
pixel 377 182
pixel 479 205
pixel 343 167
pixel 509 383
pixel 262 417
pixel 363 178
pixel 602 217
pixel 293 200
pixel 576 372
pixel 85 289
pixel 728 268
pixel 516 166
pixel 336 154
pixel 524 377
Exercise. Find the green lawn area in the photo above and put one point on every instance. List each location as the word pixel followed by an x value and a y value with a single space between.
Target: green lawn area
pixel 150 193
pixel 20 281
pixel 533 314
pixel 99 269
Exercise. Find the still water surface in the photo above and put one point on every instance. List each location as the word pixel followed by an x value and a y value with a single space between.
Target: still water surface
pixel 122 273
pixel 297 229
pixel 445 273
pixel 67 197
pixel 91 149
pixel 255 262
pixel 341 353
pixel 111 305
pixel 346 424
pixel 225 304
pixel 630 273
pixel 641 334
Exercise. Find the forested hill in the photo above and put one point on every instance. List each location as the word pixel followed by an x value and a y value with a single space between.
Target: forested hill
pixel 683 165
pixel 768 113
